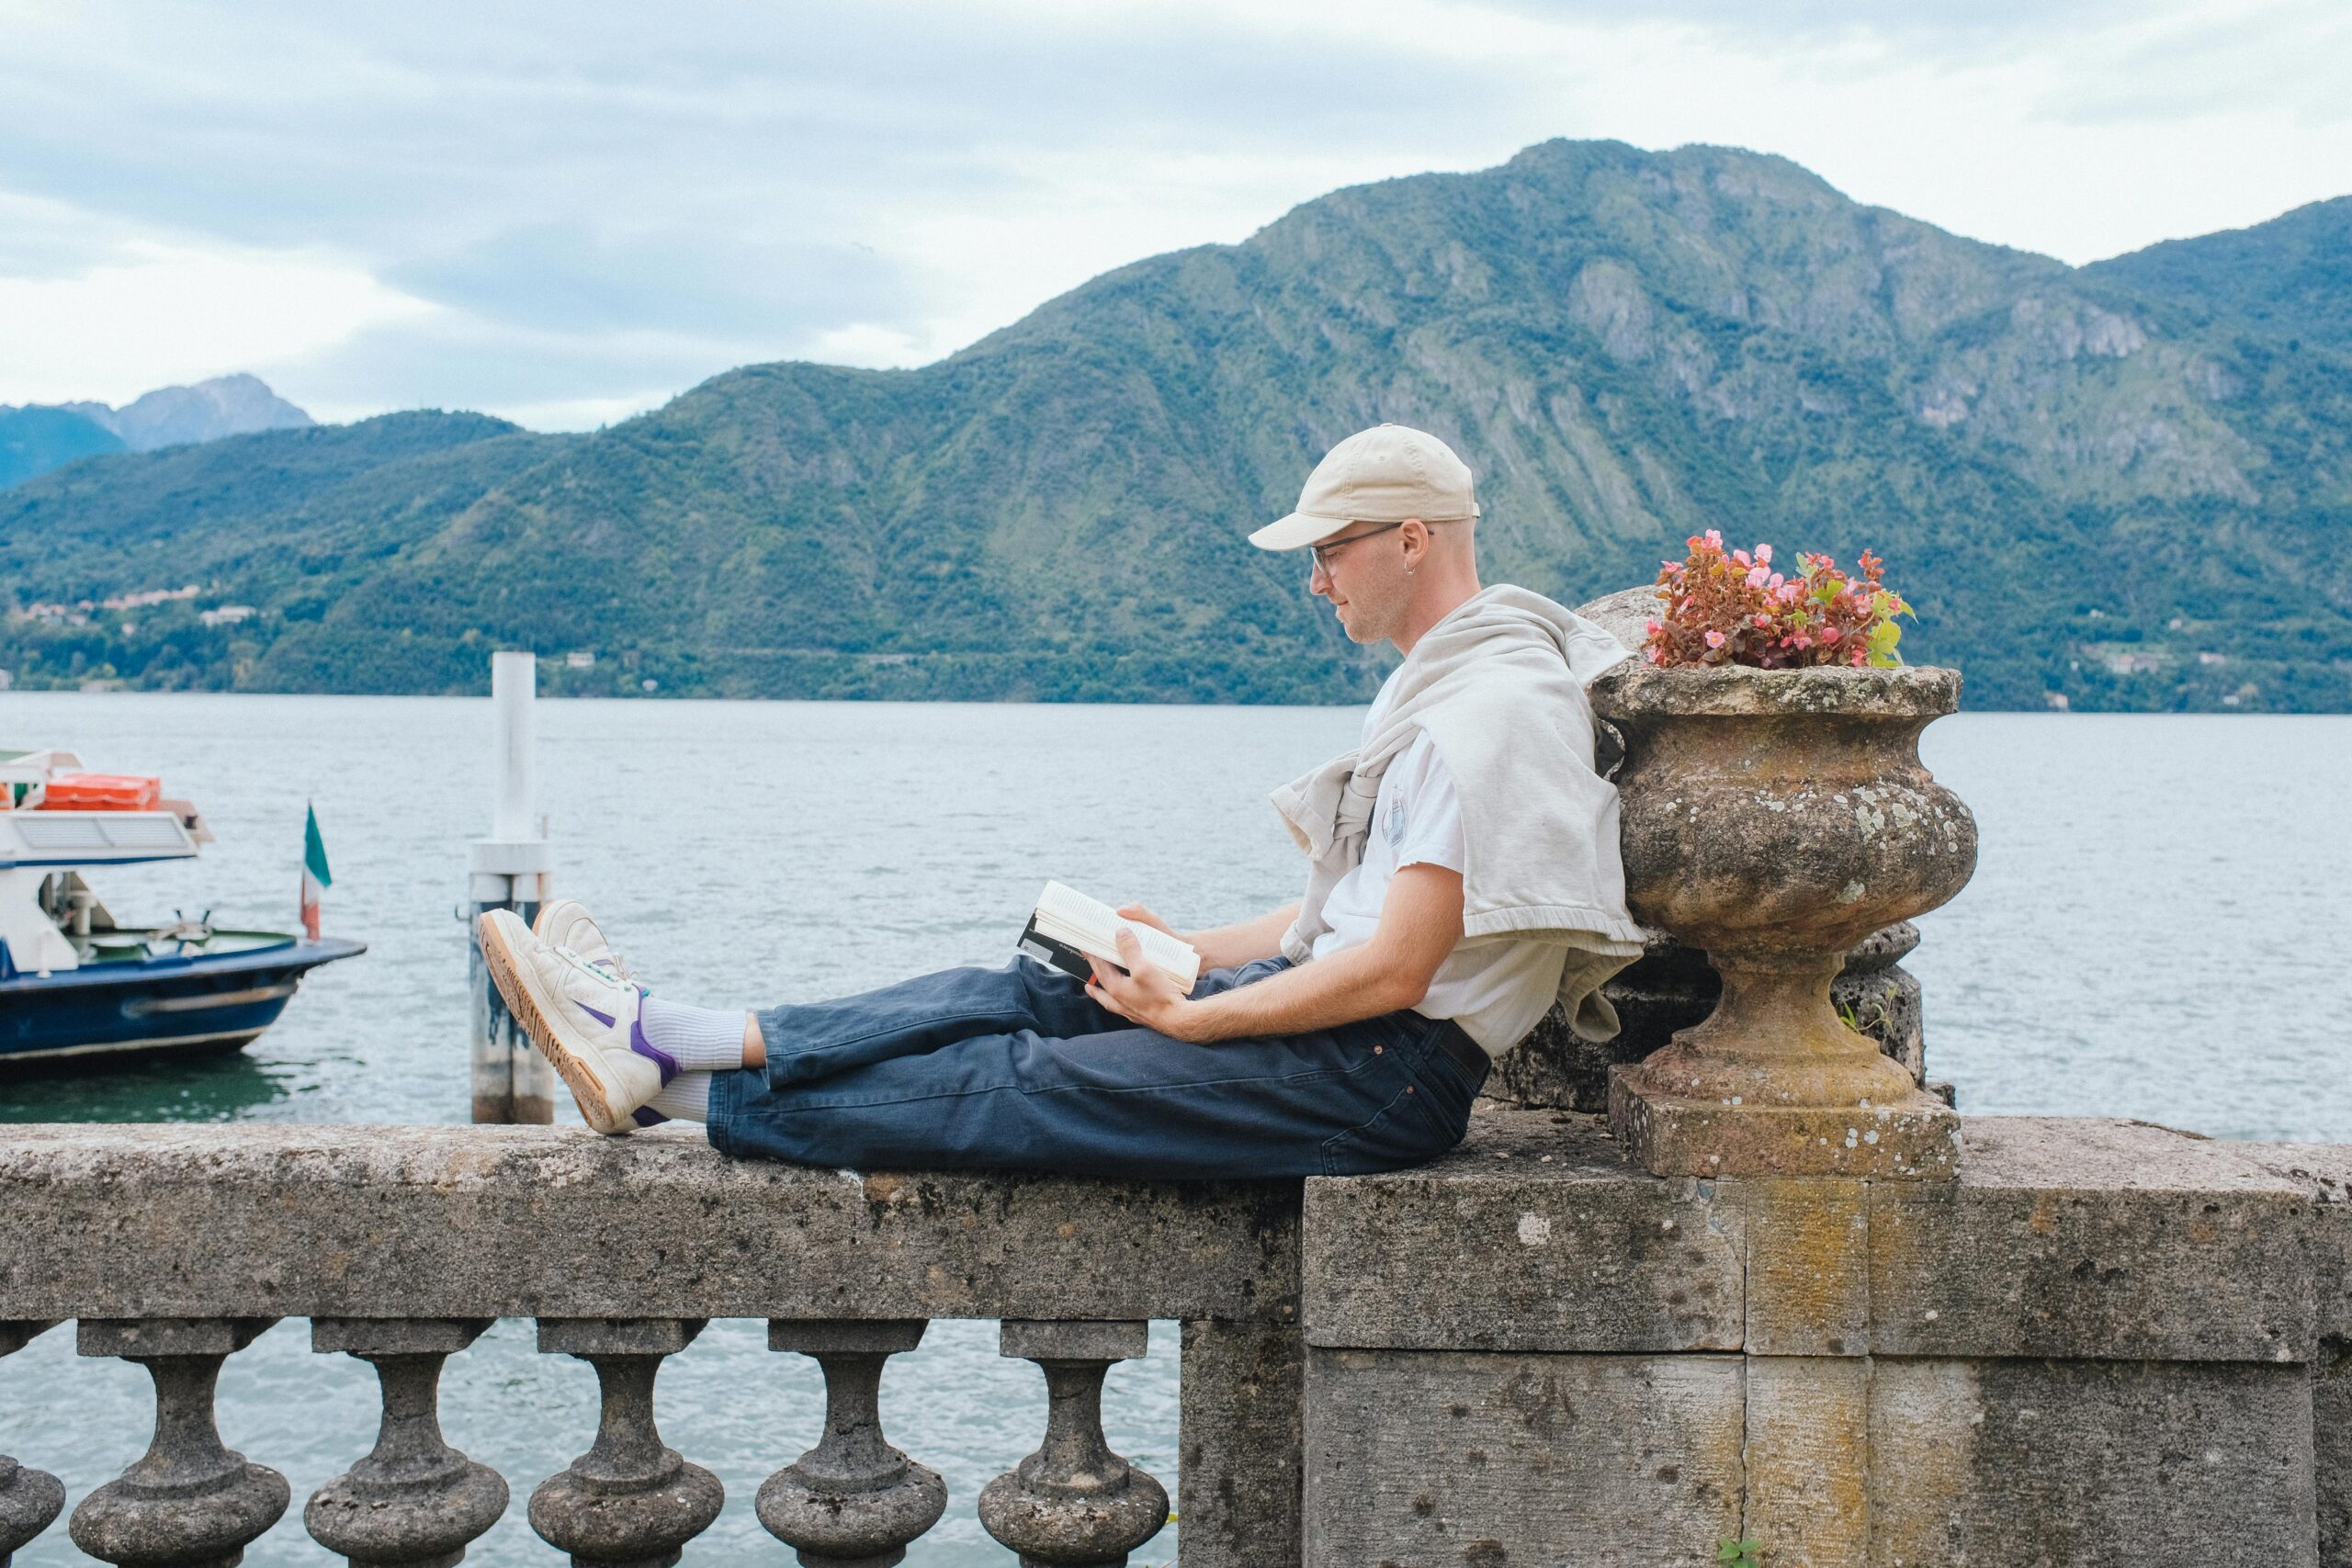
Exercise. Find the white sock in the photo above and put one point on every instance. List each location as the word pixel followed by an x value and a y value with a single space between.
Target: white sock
pixel 700 1040
pixel 685 1098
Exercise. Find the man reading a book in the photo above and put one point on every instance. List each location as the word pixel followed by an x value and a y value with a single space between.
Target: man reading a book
pixel 1463 879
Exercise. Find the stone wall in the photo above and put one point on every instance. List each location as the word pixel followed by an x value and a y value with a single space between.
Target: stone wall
pixel 176 1244
pixel 2104 1343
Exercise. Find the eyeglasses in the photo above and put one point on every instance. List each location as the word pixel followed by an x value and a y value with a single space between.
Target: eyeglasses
pixel 1323 553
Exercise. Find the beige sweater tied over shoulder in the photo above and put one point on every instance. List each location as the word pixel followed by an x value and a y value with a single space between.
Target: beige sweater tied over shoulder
pixel 1498 686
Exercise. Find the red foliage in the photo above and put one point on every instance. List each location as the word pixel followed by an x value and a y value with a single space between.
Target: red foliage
pixel 1734 609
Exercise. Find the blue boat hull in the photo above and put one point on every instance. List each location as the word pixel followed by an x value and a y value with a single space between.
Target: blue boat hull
pixel 188 1005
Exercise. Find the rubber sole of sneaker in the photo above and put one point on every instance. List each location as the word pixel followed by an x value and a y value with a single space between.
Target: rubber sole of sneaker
pixel 538 1022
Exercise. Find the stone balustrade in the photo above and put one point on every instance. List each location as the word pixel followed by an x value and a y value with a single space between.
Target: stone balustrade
pixel 174 1246
pixel 2099 1343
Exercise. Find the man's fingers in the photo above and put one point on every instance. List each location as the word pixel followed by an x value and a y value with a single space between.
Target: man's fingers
pixel 1102 998
pixel 1130 945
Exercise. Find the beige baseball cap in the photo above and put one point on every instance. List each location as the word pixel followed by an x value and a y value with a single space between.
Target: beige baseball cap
pixel 1382 475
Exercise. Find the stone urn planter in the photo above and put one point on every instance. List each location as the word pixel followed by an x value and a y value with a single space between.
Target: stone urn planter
pixel 1773 819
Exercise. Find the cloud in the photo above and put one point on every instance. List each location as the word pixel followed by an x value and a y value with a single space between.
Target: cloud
pixel 455 360
pixel 569 276
pixel 178 313
pixel 1944 24
pixel 536 208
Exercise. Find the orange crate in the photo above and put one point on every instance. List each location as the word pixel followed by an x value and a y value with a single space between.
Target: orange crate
pixel 102 792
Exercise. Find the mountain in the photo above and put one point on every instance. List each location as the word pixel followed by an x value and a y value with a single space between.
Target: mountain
pixel 2290 278
pixel 2116 487
pixel 173 416
pixel 37 439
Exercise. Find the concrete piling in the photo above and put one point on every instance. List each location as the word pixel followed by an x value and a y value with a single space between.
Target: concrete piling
pixel 510 870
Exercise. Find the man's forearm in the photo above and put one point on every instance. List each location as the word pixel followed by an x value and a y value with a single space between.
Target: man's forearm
pixel 1227 946
pixel 1353 983
pixel 1420 923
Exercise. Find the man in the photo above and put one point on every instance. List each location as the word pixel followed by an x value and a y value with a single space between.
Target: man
pixel 1464 877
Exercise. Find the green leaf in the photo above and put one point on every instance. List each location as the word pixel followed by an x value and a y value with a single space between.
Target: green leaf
pixel 1883 637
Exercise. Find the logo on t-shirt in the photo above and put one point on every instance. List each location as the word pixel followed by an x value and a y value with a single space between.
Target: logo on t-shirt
pixel 1396 826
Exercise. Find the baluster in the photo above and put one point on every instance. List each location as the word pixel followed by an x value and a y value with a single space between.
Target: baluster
pixel 190 1502
pixel 852 1501
pixel 629 1502
pixel 1073 1504
pixel 413 1502
pixel 29 1499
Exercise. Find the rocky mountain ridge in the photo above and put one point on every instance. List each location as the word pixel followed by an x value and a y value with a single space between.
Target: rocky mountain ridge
pixel 2116 486
pixel 37 437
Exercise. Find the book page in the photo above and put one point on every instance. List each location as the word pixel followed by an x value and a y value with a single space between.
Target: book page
pixel 1091 925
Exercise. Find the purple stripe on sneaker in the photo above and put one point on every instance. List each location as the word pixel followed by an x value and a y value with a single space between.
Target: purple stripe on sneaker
pixel 646 1116
pixel 644 1047
pixel 603 1017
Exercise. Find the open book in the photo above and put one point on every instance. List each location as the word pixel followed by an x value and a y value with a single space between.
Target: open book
pixel 1068 929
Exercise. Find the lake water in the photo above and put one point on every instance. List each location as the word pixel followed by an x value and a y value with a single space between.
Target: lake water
pixel 2155 913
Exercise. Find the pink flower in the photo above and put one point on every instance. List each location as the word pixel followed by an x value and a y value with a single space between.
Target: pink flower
pixel 1654 655
pixel 1801 640
pixel 1830 635
pixel 1758 576
pixel 1791 592
pixel 1764 554
pixel 1714 537
pixel 1714 639
pixel 1651 628
pixel 1778 580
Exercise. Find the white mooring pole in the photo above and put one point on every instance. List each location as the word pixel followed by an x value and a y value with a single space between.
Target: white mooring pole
pixel 511 870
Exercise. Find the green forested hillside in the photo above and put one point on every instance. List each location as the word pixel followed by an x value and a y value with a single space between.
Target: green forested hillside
pixel 2119 485
pixel 2290 279
pixel 35 440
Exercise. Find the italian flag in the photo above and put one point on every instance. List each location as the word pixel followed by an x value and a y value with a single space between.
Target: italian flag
pixel 316 879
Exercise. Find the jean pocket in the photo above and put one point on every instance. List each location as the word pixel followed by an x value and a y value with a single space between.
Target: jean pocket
pixel 1453 1084
pixel 1408 1131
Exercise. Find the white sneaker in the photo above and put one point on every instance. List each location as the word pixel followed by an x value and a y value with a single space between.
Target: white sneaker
pixel 565 922
pixel 584 1019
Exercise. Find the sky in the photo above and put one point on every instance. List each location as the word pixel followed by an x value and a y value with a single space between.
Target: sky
pixel 565 213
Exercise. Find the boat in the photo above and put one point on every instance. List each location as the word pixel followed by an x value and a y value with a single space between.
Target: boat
pixel 78 986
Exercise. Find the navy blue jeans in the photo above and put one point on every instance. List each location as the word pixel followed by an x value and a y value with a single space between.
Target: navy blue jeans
pixel 1016 1070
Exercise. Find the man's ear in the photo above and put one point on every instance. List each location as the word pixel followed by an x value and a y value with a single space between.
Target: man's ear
pixel 1415 532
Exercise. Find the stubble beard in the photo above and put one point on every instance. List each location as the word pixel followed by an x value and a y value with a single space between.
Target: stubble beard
pixel 1372 621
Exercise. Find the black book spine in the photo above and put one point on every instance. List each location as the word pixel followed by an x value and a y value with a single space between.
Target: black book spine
pixel 1060 954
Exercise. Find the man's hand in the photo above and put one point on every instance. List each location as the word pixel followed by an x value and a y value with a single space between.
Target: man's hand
pixel 1144 917
pixel 1145 994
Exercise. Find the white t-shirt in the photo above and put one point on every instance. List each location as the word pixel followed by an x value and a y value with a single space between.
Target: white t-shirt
pixel 1498 987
